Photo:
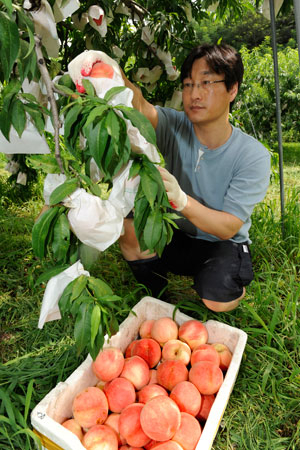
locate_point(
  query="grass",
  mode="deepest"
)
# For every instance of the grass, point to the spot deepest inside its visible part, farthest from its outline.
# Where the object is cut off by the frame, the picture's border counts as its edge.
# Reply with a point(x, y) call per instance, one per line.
point(264, 408)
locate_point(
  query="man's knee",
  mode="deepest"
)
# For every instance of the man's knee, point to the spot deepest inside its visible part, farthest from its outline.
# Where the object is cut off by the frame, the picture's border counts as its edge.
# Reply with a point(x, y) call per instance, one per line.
point(223, 306)
point(129, 244)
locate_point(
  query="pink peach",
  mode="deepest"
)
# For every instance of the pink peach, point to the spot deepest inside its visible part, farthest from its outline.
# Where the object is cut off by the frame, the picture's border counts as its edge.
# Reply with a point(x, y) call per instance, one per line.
point(129, 349)
point(113, 422)
point(193, 332)
point(150, 391)
point(189, 432)
point(73, 426)
point(145, 328)
point(205, 352)
point(101, 70)
point(148, 349)
point(130, 425)
point(153, 376)
point(100, 437)
point(206, 404)
point(224, 353)
point(120, 393)
point(206, 376)
point(137, 371)
point(164, 329)
point(160, 418)
point(169, 373)
point(187, 397)
point(175, 349)
point(90, 407)
point(108, 364)
point(167, 445)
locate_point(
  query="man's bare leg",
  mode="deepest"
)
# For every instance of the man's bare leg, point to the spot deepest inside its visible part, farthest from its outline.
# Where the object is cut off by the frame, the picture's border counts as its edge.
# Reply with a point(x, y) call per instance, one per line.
point(223, 306)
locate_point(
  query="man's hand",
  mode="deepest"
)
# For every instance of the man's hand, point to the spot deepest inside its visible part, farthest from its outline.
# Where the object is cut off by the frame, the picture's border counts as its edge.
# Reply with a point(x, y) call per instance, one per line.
point(177, 198)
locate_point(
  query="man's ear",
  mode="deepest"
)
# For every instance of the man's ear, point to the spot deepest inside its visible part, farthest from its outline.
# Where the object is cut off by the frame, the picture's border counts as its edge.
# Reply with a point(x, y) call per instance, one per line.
point(233, 91)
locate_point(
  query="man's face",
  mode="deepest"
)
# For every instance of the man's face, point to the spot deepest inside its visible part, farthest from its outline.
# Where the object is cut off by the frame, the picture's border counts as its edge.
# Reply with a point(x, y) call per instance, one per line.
point(206, 102)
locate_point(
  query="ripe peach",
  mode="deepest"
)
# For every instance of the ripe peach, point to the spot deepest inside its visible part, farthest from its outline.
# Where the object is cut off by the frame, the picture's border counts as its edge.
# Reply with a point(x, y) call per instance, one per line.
point(206, 404)
point(137, 371)
point(108, 364)
point(153, 376)
point(167, 445)
point(129, 348)
point(148, 349)
point(224, 353)
point(151, 391)
point(206, 376)
point(205, 352)
point(169, 373)
point(120, 393)
point(160, 418)
point(145, 328)
point(90, 407)
point(175, 349)
point(187, 397)
point(73, 426)
point(101, 70)
point(100, 437)
point(113, 422)
point(193, 332)
point(129, 447)
point(164, 329)
point(189, 432)
point(130, 425)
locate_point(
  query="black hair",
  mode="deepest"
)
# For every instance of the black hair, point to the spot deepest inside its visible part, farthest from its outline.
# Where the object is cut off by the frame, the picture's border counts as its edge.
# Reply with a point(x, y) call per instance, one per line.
point(221, 59)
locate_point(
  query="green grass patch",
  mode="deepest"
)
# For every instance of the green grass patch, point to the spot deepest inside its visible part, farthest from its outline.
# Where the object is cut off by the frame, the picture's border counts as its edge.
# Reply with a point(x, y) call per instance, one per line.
point(264, 407)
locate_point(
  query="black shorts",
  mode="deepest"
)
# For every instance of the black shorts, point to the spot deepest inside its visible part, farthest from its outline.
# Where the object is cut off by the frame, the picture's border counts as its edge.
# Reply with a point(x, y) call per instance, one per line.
point(220, 269)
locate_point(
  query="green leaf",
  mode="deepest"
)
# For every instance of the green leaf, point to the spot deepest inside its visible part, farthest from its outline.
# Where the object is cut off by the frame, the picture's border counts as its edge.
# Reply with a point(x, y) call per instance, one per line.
point(64, 302)
point(5, 124)
point(47, 163)
point(52, 272)
point(41, 229)
point(112, 125)
point(97, 138)
point(98, 287)
point(96, 112)
point(153, 229)
point(141, 122)
point(8, 405)
point(9, 44)
point(64, 89)
point(149, 186)
point(9, 6)
point(89, 88)
point(61, 238)
point(95, 323)
point(71, 118)
point(28, 398)
point(18, 116)
point(63, 190)
point(82, 327)
point(78, 286)
point(135, 168)
point(113, 91)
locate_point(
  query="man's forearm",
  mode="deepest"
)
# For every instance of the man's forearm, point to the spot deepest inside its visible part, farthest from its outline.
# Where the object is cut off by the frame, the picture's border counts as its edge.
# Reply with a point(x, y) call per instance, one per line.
point(218, 223)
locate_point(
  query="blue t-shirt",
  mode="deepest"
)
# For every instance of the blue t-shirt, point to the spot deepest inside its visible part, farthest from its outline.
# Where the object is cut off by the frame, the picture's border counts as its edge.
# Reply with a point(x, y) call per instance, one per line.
point(233, 177)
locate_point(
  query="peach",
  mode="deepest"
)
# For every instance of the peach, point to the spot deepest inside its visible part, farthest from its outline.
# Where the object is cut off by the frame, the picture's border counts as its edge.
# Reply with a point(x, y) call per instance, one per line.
point(206, 404)
point(101, 70)
point(205, 352)
point(145, 328)
point(206, 376)
point(129, 447)
point(100, 437)
point(90, 407)
point(224, 353)
point(187, 397)
point(175, 349)
point(169, 373)
point(160, 418)
point(193, 332)
point(189, 432)
point(129, 348)
point(108, 364)
point(153, 376)
point(148, 349)
point(164, 329)
point(120, 393)
point(130, 425)
point(167, 445)
point(151, 391)
point(151, 444)
point(73, 426)
point(137, 371)
point(113, 422)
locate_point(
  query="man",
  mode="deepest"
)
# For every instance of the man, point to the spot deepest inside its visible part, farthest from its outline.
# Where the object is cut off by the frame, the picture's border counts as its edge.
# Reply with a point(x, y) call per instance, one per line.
point(215, 174)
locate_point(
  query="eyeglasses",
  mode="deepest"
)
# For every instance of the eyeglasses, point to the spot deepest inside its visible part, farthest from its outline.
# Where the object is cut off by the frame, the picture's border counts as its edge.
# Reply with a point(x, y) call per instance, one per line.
point(206, 85)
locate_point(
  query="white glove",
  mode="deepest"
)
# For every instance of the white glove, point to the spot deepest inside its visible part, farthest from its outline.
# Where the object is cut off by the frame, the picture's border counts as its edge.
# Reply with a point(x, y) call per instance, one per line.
point(176, 196)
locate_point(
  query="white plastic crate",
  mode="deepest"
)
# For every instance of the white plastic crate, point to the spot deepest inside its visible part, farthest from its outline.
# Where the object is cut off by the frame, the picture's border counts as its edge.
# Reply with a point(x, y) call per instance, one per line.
point(47, 416)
